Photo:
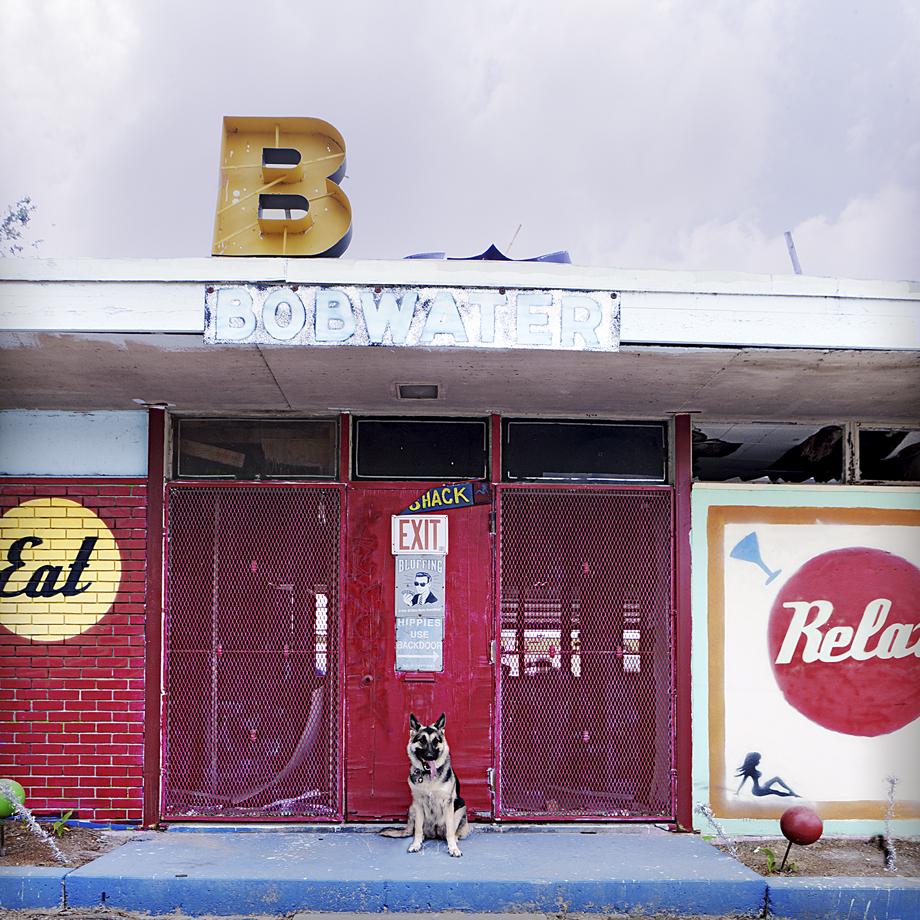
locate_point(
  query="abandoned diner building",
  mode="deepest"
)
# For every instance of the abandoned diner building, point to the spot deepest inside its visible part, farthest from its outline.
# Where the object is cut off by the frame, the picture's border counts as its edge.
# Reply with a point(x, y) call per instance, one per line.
point(654, 523)
point(650, 540)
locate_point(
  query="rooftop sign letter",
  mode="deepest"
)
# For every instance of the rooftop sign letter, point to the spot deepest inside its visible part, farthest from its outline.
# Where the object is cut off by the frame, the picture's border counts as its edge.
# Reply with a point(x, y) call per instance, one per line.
point(278, 193)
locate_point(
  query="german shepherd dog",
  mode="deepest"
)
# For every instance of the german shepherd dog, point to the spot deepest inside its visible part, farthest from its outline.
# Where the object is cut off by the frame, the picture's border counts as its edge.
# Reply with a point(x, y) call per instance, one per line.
point(437, 809)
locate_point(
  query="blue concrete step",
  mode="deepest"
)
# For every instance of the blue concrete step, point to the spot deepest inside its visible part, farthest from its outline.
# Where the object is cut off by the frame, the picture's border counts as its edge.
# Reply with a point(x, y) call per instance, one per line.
point(31, 886)
point(278, 870)
point(226, 873)
point(869, 898)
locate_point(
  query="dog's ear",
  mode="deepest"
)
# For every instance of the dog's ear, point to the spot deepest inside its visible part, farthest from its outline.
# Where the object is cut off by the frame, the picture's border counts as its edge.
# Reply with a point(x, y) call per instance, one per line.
point(413, 722)
point(439, 725)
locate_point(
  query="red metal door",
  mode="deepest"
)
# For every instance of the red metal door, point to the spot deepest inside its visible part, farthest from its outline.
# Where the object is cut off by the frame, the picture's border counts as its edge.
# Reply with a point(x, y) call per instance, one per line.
point(378, 699)
point(585, 677)
point(252, 707)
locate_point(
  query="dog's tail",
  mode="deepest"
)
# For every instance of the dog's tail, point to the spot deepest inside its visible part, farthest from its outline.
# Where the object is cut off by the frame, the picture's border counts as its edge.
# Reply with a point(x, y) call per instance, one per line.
point(397, 831)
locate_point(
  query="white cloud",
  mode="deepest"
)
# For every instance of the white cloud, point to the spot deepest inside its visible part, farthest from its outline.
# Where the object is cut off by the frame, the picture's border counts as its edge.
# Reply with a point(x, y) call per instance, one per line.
point(874, 236)
point(681, 134)
point(62, 70)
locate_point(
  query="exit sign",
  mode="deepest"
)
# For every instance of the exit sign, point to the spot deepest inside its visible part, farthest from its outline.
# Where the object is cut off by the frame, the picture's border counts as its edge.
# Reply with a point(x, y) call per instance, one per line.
point(421, 533)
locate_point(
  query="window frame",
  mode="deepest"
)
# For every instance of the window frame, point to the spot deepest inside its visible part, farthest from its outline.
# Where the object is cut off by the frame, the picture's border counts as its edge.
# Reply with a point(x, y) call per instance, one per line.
point(356, 421)
point(176, 448)
point(854, 468)
point(661, 425)
point(850, 473)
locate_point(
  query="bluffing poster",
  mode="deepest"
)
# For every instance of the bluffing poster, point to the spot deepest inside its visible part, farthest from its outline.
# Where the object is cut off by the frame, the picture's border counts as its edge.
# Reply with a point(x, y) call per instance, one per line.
point(419, 604)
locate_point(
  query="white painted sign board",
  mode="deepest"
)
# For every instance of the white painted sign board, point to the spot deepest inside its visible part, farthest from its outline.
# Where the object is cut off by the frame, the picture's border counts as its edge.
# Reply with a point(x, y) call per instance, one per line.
point(430, 317)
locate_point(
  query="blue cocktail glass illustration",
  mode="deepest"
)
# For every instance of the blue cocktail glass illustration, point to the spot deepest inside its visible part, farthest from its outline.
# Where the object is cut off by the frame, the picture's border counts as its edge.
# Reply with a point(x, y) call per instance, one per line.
point(748, 549)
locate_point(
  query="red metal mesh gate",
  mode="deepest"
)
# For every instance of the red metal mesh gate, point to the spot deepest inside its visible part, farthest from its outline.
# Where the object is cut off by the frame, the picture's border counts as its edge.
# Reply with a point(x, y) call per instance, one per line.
point(251, 719)
point(585, 674)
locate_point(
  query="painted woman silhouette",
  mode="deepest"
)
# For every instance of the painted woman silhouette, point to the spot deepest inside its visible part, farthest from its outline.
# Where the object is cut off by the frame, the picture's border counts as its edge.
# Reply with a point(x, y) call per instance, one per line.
point(749, 769)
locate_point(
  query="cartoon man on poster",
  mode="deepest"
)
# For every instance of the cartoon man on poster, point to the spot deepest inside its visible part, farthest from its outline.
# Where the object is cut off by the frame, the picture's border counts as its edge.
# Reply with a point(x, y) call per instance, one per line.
point(423, 593)
point(420, 586)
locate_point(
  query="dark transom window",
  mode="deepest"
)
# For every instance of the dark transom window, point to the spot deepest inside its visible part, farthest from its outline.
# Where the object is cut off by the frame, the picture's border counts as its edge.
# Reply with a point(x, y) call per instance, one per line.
point(581, 451)
point(256, 448)
point(420, 448)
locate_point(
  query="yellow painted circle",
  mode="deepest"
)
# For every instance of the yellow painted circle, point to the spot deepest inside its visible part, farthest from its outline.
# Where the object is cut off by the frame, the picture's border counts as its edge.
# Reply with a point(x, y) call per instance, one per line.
point(51, 595)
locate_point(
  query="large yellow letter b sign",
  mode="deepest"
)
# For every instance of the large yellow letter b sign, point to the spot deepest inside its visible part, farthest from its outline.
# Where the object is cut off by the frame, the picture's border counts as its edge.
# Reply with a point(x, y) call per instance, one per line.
point(279, 193)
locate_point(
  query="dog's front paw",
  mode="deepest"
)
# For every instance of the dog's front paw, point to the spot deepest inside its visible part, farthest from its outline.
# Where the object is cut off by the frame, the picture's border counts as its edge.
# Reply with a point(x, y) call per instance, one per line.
point(454, 851)
point(414, 848)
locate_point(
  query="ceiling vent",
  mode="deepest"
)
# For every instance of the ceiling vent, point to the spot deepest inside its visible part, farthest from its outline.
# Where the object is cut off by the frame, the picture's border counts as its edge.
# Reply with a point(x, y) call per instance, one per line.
point(417, 390)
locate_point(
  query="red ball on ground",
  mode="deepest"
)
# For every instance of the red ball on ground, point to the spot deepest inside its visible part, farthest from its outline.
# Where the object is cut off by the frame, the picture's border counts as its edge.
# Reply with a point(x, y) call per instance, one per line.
point(801, 825)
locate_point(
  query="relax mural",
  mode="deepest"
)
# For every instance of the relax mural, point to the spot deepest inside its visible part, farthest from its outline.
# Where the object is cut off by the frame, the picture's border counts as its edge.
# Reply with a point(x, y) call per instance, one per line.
point(814, 659)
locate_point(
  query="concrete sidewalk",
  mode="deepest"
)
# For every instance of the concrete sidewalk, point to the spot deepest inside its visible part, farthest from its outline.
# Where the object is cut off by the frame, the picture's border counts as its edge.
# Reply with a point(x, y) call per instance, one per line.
point(517, 869)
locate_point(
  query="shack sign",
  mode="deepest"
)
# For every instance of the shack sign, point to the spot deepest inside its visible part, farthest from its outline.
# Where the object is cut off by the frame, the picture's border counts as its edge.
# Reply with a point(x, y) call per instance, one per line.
point(456, 495)
point(431, 317)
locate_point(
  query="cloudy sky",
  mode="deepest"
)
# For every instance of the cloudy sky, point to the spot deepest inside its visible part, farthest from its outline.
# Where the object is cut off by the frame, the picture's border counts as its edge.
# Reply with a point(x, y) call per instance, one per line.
point(633, 133)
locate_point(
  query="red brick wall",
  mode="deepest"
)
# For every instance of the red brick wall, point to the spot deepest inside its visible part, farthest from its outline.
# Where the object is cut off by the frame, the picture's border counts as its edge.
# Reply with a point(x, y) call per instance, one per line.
point(72, 663)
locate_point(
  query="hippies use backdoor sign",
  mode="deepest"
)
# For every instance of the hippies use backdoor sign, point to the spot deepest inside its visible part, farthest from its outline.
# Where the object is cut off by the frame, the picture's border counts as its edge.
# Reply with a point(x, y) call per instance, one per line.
point(432, 317)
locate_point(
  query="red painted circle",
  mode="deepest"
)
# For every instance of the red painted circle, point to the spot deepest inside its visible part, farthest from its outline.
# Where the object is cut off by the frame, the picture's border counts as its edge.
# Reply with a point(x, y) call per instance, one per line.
point(836, 689)
point(801, 825)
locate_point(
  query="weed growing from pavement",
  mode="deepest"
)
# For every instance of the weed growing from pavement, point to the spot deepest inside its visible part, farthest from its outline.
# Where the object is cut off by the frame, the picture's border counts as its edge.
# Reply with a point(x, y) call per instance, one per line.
point(59, 827)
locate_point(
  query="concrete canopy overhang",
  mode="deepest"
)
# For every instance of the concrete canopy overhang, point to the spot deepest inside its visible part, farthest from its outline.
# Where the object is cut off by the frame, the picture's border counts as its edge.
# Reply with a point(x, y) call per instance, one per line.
point(112, 335)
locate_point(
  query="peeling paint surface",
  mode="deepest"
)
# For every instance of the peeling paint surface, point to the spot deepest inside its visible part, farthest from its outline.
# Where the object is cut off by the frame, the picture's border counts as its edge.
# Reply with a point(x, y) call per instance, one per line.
point(109, 371)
